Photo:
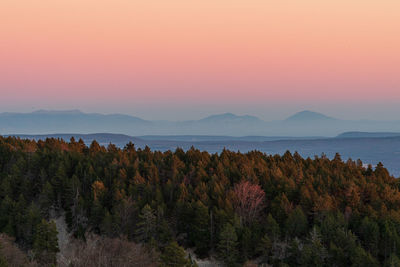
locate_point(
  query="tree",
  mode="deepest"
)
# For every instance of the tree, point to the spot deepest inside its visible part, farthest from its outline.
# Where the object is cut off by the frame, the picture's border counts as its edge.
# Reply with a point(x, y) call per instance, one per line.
point(45, 245)
point(146, 227)
point(314, 253)
point(369, 231)
point(174, 256)
point(125, 212)
point(104, 251)
point(11, 255)
point(272, 228)
point(392, 261)
point(296, 224)
point(46, 199)
point(295, 252)
point(264, 248)
point(227, 246)
point(200, 233)
point(248, 201)
point(246, 243)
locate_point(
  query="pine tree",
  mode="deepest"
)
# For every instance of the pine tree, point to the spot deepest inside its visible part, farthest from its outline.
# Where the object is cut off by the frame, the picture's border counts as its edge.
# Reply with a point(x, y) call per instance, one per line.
point(45, 245)
point(174, 256)
point(314, 253)
point(227, 246)
point(296, 224)
point(201, 235)
point(264, 248)
point(146, 228)
point(272, 228)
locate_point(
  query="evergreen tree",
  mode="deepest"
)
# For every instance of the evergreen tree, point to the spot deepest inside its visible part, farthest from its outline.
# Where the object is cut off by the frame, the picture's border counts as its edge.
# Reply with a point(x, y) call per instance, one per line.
point(227, 246)
point(174, 256)
point(201, 234)
point(45, 245)
point(264, 248)
point(272, 228)
point(146, 228)
point(314, 253)
point(296, 224)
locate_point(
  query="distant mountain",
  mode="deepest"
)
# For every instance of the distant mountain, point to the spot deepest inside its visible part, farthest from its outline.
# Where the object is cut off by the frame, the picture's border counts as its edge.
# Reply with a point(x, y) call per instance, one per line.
point(229, 117)
point(367, 135)
point(68, 121)
point(57, 112)
point(302, 124)
point(307, 115)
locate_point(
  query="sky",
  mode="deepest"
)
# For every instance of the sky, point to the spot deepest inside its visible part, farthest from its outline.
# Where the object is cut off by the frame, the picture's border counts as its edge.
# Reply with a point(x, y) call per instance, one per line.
point(181, 59)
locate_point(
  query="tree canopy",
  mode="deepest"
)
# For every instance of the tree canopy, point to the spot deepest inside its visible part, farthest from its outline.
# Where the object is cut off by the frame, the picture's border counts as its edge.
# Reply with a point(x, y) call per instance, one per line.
point(275, 209)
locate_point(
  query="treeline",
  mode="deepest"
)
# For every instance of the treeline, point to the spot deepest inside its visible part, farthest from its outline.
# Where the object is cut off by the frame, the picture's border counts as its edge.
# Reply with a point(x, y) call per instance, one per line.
point(277, 210)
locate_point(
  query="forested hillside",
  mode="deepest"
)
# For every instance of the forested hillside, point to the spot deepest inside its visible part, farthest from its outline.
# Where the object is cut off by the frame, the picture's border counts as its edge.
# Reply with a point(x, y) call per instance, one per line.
point(234, 207)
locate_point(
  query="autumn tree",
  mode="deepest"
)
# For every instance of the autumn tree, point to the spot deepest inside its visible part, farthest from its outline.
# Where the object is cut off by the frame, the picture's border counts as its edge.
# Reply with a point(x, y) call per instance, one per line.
point(249, 200)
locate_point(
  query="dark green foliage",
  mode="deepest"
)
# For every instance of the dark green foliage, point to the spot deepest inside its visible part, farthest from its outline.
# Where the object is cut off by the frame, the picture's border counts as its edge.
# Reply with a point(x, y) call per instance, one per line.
point(296, 224)
point(3, 262)
point(174, 255)
point(271, 228)
point(201, 229)
point(45, 245)
point(311, 212)
point(227, 245)
point(264, 248)
point(146, 228)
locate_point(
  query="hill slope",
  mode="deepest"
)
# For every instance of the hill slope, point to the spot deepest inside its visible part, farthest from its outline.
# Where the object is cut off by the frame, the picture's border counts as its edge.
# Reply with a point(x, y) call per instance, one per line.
point(318, 212)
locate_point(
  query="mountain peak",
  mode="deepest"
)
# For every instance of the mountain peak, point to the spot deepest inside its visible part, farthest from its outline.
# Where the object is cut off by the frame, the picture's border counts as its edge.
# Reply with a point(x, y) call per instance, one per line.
point(307, 115)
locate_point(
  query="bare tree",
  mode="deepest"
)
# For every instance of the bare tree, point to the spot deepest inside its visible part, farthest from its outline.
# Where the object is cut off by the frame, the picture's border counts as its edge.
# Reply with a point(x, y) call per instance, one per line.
point(100, 251)
point(13, 256)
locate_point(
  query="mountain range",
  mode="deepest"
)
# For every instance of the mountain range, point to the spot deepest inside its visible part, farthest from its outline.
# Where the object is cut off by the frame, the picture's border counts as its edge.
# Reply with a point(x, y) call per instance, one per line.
point(302, 124)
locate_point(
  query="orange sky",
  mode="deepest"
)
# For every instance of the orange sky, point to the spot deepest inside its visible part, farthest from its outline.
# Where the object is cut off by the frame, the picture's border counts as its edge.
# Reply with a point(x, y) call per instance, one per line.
point(233, 52)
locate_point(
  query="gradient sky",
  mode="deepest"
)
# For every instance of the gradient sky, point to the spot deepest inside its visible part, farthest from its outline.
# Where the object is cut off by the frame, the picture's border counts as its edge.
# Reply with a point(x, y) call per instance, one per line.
point(180, 59)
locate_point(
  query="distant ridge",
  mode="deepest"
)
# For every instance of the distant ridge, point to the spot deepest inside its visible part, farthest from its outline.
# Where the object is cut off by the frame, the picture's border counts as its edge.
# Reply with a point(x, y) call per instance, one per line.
point(230, 117)
point(303, 124)
point(367, 135)
point(307, 115)
point(57, 112)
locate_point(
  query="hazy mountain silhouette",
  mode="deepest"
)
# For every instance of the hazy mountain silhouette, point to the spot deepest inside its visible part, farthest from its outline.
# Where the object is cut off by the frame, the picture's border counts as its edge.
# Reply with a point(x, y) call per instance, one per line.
point(68, 121)
point(307, 115)
point(230, 117)
point(367, 135)
point(302, 124)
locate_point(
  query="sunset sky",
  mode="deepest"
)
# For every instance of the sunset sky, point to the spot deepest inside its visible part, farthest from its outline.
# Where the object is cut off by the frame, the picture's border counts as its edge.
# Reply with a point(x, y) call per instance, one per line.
point(181, 59)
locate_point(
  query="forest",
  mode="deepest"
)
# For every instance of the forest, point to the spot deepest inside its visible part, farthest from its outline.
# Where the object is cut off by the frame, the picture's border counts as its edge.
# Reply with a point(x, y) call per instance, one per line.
point(137, 207)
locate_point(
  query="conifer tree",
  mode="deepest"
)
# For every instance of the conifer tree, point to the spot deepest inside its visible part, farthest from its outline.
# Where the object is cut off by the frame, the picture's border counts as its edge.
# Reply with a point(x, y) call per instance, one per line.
point(227, 246)
point(45, 245)
point(201, 235)
point(174, 256)
point(146, 227)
